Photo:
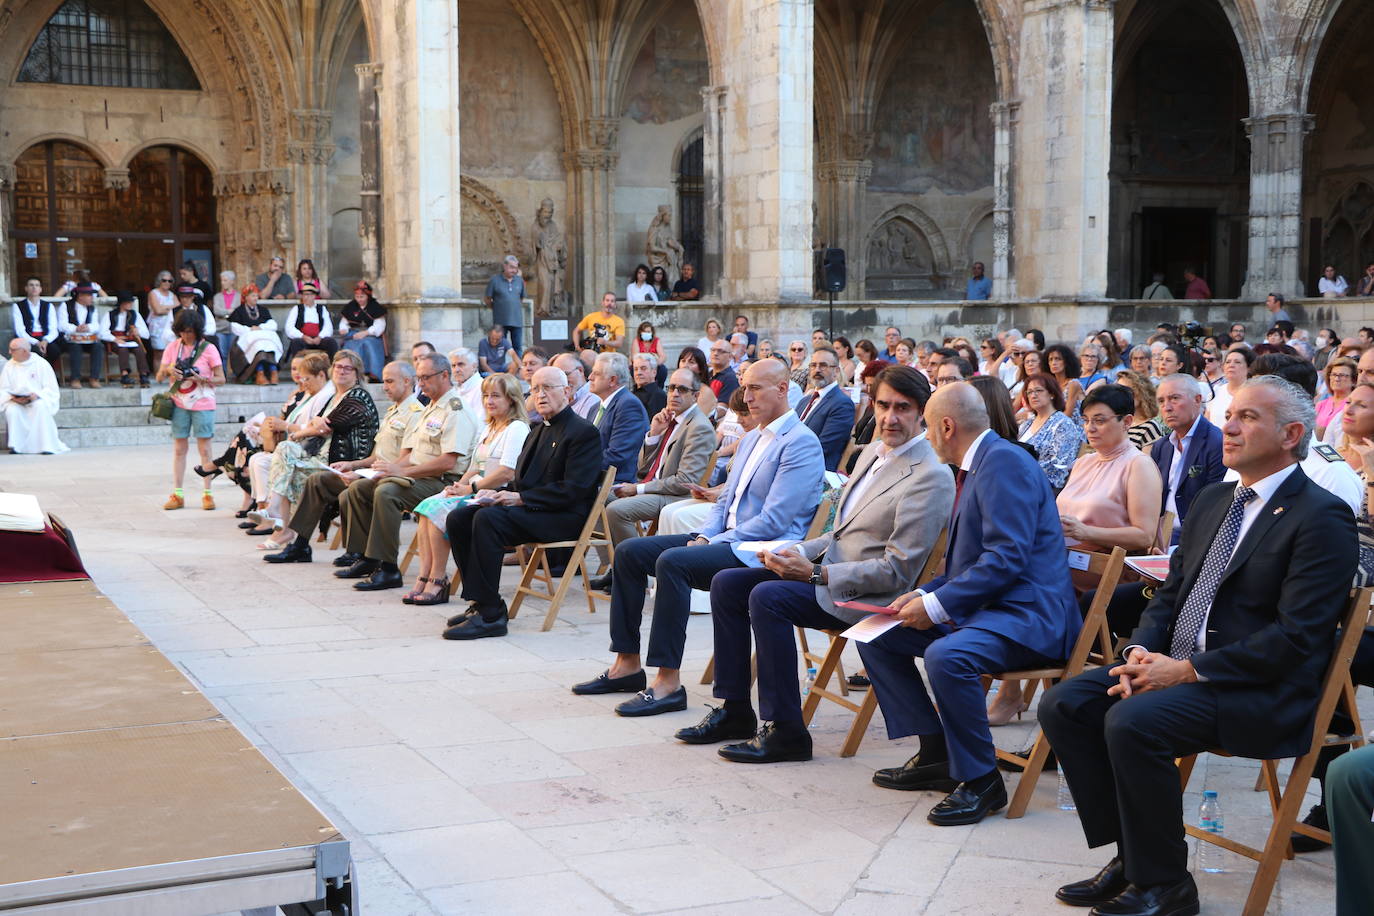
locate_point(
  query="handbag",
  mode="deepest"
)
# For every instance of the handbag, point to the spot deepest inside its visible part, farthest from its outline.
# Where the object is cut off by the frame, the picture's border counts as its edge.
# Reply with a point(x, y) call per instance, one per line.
point(163, 407)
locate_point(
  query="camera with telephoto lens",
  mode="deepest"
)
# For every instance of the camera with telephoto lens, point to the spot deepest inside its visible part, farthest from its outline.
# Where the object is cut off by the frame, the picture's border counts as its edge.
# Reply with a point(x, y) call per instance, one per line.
point(1192, 333)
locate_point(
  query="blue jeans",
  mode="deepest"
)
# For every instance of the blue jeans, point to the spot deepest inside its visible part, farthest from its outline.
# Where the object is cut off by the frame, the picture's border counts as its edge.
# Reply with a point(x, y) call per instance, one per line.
point(516, 333)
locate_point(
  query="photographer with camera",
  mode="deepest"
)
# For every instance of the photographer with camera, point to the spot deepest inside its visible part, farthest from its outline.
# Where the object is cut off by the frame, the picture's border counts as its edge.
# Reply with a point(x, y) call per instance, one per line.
point(601, 330)
point(194, 368)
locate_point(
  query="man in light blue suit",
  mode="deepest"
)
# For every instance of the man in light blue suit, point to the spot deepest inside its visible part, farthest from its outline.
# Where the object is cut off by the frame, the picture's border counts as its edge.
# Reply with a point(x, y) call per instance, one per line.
point(619, 417)
point(826, 408)
point(1004, 602)
point(771, 494)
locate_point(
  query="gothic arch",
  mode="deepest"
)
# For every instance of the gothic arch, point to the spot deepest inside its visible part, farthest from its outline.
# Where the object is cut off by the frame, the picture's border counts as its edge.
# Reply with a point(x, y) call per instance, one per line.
point(920, 220)
point(492, 235)
point(45, 136)
point(1134, 25)
point(970, 226)
point(693, 135)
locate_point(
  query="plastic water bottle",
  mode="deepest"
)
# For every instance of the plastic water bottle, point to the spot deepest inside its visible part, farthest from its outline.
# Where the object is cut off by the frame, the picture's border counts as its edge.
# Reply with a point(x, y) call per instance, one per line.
point(1210, 857)
point(810, 680)
point(1065, 796)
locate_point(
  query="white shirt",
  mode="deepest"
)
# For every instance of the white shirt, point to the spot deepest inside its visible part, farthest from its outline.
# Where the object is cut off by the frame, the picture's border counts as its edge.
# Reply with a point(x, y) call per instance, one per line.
point(1336, 477)
point(766, 436)
point(471, 394)
point(859, 487)
point(682, 420)
point(1176, 469)
point(640, 292)
point(934, 610)
point(36, 309)
point(1220, 403)
point(1335, 287)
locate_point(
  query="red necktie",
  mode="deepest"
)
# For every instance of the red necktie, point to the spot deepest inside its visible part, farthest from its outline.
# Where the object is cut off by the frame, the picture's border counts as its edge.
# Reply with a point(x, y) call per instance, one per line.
point(815, 396)
point(662, 450)
point(959, 476)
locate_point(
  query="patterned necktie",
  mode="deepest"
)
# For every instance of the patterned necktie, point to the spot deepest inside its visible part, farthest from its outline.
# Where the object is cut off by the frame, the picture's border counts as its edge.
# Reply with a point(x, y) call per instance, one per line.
point(1204, 590)
point(662, 450)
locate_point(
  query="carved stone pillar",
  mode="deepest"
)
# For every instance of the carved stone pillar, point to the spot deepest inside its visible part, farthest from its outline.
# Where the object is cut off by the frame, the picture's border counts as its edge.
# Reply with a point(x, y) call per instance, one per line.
point(590, 169)
point(1003, 266)
point(842, 184)
point(251, 211)
point(713, 144)
point(369, 149)
point(309, 151)
point(117, 179)
point(6, 254)
point(1276, 161)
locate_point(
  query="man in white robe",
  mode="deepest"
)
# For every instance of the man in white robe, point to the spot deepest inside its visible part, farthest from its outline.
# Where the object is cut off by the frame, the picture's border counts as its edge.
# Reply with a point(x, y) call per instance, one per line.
point(29, 398)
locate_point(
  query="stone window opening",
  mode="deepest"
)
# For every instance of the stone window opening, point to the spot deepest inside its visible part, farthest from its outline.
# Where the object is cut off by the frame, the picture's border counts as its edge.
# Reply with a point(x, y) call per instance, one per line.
point(116, 43)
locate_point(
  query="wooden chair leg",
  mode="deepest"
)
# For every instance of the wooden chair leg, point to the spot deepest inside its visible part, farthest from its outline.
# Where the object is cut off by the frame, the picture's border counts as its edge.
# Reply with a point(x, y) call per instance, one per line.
point(525, 576)
point(860, 726)
point(411, 553)
point(338, 536)
point(569, 574)
point(709, 675)
point(1278, 846)
point(1185, 769)
point(1030, 775)
point(823, 675)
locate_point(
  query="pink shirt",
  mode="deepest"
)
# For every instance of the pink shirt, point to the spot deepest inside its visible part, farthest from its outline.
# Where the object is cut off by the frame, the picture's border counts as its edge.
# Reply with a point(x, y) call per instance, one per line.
point(1328, 409)
point(1096, 491)
point(190, 394)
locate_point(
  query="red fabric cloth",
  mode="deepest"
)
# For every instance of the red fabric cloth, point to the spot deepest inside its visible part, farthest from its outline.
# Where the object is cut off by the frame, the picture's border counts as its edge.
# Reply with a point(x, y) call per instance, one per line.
point(34, 557)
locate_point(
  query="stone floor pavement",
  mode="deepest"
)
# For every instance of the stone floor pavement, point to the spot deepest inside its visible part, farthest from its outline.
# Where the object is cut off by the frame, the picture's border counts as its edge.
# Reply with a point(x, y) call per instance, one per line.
point(471, 781)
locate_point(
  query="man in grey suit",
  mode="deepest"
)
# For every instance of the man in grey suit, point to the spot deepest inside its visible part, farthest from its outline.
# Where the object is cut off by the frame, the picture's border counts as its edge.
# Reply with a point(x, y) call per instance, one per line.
point(889, 517)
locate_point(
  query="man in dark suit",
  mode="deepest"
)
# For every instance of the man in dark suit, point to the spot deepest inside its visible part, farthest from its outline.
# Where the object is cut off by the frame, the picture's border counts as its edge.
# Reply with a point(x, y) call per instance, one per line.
point(556, 482)
point(620, 418)
point(889, 517)
point(1229, 654)
point(645, 367)
point(826, 408)
point(1189, 458)
point(1004, 602)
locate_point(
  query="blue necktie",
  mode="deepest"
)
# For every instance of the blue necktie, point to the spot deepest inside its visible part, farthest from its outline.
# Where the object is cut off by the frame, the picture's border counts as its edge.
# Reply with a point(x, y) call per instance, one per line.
point(1204, 590)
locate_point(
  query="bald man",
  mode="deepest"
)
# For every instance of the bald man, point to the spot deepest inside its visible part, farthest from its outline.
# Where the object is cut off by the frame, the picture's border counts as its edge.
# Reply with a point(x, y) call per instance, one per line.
point(1003, 603)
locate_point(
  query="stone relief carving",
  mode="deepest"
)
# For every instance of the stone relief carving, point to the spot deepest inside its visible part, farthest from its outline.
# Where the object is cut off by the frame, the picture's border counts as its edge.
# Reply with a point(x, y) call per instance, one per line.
point(661, 248)
point(550, 261)
point(898, 248)
point(490, 232)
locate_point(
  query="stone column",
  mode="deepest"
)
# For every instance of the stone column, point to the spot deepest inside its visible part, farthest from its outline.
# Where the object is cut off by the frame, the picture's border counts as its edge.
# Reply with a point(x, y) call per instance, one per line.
point(1003, 266)
point(1276, 162)
point(713, 138)
point(369, 223)
point(1061, 153)
point(6, 254)
point(768, 158)
point(591, 201)
point(308, 152)
point(843, 183)
point(421, 226)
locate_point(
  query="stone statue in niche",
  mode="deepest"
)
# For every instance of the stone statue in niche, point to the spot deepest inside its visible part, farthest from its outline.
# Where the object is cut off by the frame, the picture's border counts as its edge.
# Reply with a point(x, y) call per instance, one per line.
point(661, 249)
point(550, 261)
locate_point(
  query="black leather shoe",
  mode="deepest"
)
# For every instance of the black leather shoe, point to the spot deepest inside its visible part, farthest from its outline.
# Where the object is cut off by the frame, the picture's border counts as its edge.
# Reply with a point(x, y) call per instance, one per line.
point(298, 551)
point(601, 583)
point(1179, 899)
point(245, 526)
point(719, 725)
point(382, 578)
point(1051, 762)
point(604, 683)
point(1315, 818)
point(646, 704)
point(1106, 885)
point(361, 569)
point(965, 806)
point(773, 743)
point(347, 559)
point(915, 776)
point(459, 618)
point(475, 626)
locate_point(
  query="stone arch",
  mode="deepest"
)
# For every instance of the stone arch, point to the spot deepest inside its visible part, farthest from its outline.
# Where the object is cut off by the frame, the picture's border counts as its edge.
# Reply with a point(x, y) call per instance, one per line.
point(196, 149)
point(490, 232)
point(1135, 21)
point(978, 221)
point(1348, 230)
point(906, 256)
point(30, 141)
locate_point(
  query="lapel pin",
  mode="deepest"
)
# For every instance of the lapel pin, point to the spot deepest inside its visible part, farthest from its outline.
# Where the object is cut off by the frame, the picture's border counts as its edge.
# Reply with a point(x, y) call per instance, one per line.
point(1279, 510)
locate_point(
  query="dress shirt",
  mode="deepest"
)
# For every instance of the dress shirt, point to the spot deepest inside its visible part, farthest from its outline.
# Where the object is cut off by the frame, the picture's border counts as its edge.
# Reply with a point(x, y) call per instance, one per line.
point(934, 610)
point(682, 420)
point(1264, 488)
point(605, 405)
point(766, 436)
point(815, 398)
point(1176, 469)
point(860, 487)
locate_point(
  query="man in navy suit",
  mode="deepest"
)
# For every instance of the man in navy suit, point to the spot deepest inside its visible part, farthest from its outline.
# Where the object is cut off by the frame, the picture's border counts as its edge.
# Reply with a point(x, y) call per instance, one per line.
point(620, 417)
point(1004, 602)
point(826, 408)
point(771, 494)
point(1190, 457)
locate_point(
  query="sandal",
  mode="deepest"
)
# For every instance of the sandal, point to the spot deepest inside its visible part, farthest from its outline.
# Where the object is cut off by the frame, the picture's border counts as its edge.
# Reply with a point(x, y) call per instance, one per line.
point(410, 596)
point(242, 513)
point(440, 598)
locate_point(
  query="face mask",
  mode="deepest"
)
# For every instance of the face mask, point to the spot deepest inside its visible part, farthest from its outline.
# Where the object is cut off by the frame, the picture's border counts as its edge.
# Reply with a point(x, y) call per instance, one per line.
point(1323, 342)
point(646, 336)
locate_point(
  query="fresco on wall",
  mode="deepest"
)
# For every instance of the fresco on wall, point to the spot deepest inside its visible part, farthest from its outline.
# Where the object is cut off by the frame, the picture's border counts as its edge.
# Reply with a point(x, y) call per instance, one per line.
point(665, 82)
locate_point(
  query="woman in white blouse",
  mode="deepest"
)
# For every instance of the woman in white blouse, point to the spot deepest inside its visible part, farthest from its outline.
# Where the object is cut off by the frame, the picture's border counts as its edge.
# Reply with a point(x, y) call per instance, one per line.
point(493, 466)
point(640, 289)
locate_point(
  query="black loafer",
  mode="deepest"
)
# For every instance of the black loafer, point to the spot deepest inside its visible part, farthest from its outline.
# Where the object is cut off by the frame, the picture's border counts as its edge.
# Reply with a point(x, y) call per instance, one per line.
point(915, 776)
point(1178, 899)
point(604, 683)
point(1051, 762)
point(346, 560)
point(382, 578)
point(1315, 818)
point(772, 744)
point(646, 704)
point(361, 569)
point(601, 583)
point(965, 806)
point(475, 626)
point(246, 526)
point(719, 725)
point(298, 551)
point(1106, 885)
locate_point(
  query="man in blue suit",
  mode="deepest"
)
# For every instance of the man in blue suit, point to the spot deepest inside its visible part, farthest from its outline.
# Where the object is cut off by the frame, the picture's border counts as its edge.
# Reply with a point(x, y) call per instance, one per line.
point(620, 417)
point(771, 494)
point(1190, 457)
point(1004, 602)
point(826, 408)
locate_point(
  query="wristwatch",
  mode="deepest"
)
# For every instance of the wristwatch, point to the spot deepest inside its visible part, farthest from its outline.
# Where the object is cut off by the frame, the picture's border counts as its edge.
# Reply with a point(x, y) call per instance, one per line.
point(815, 574)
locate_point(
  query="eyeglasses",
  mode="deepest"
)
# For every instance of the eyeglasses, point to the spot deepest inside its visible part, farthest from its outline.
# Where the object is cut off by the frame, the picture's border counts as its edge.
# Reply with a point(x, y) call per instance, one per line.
point(542, 389)
point(1210, 359)
point(347, 367)
point(823, 366)
point(680, 389)
point(948, 380)
point(797, 349)
point(1030, 391)
point(1094, 422)
point(425, 378)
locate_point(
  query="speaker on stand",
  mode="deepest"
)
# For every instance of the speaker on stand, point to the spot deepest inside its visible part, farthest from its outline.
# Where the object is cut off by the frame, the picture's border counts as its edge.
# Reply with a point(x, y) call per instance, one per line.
point(832, 271)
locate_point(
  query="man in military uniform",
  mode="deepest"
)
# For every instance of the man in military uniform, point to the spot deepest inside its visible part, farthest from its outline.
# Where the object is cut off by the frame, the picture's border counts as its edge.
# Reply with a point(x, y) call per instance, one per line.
point(434, 454)
point(323, 489)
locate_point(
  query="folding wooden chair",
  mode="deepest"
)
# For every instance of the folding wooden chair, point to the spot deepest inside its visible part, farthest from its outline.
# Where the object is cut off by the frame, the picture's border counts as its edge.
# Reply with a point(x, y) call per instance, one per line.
point(1285, 803)
point(537, 565)
point(830, 664)
point(1165, 533)
point(1093, 648)
point(411, 552)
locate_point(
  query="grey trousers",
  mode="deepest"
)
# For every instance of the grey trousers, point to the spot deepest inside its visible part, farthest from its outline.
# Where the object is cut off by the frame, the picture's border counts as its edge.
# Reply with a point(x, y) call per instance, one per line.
point(623, 512)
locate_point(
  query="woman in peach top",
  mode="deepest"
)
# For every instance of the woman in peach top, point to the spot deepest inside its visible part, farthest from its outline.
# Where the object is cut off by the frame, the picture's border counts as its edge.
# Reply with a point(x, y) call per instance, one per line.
point(1112, 499)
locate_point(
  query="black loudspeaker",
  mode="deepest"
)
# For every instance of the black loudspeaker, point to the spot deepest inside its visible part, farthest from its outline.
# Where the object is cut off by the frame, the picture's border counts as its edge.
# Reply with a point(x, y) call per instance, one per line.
point(832, 270)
